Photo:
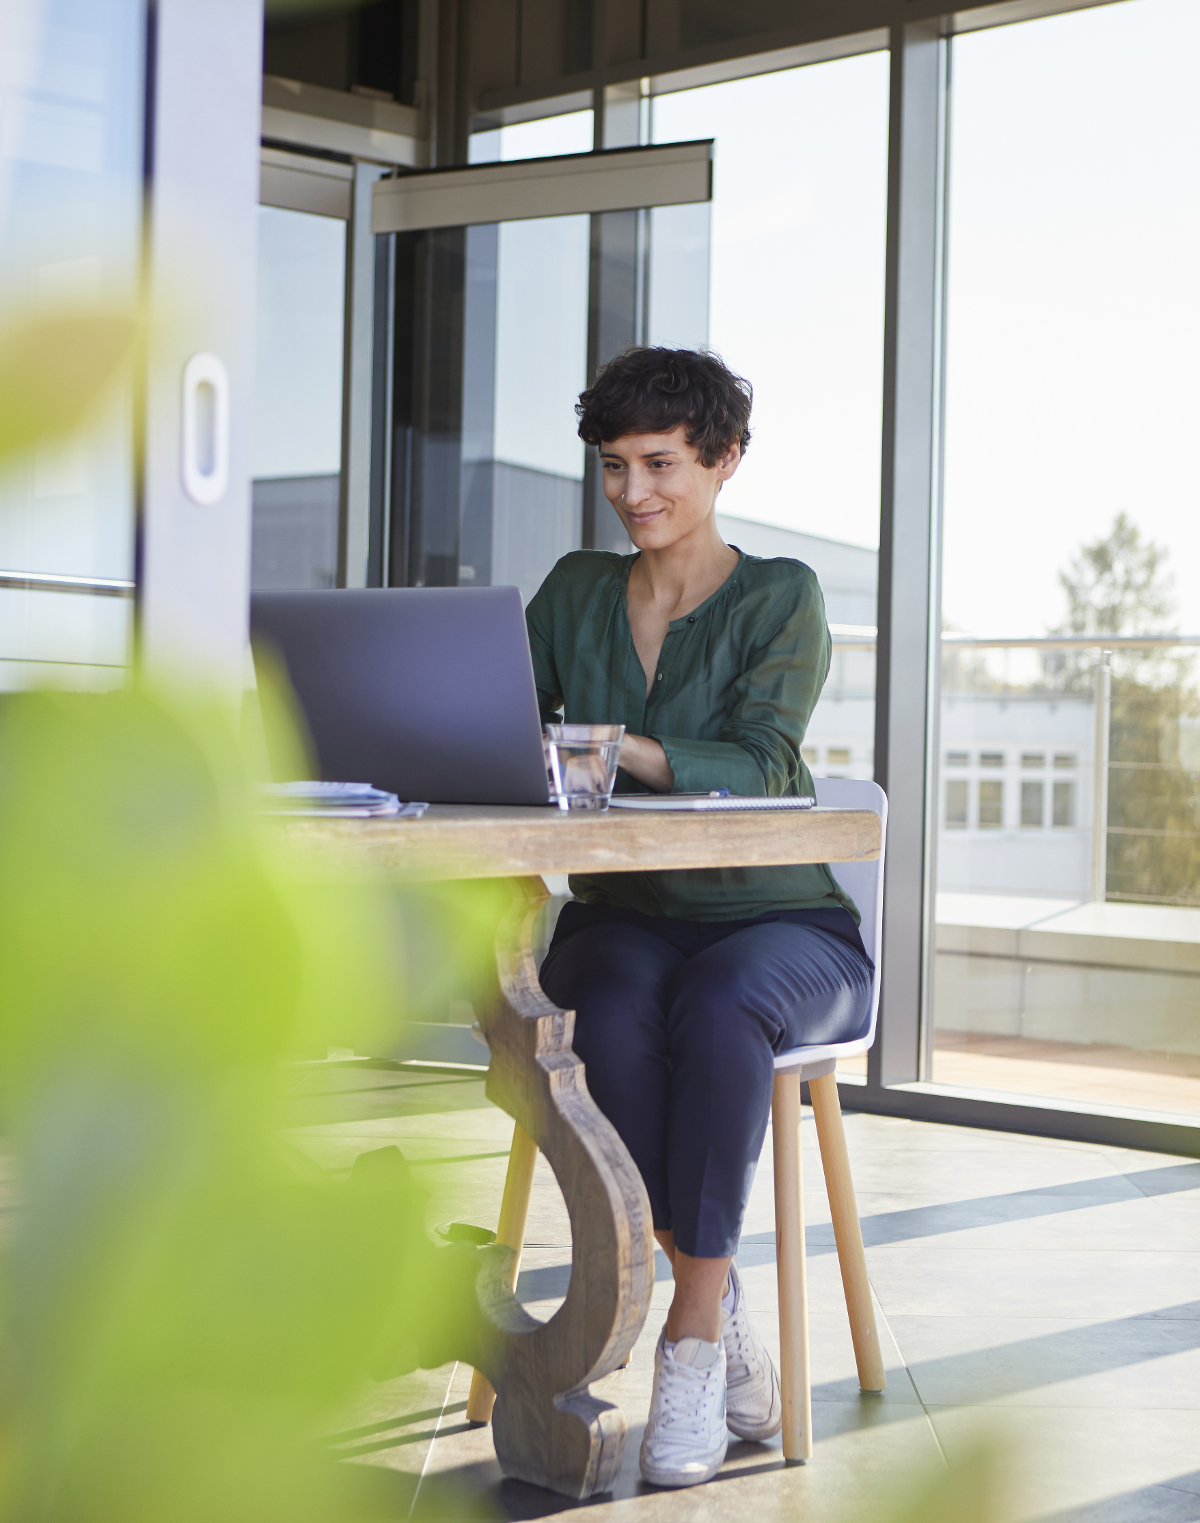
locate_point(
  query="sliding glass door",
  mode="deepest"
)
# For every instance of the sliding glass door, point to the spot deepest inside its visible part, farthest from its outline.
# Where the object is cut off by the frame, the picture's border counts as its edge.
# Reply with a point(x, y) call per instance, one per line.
point(298, 373)
point(71, 179)
point(525, 362)
point(108, 201)
point(494, 331)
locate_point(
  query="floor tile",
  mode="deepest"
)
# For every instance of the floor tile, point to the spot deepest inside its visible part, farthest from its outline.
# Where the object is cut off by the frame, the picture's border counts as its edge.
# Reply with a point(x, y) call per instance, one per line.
point(1065, 1461)
point(1098, 1285)
point(1148, 1504)
point(1147, 1362)
point(1032, 1219)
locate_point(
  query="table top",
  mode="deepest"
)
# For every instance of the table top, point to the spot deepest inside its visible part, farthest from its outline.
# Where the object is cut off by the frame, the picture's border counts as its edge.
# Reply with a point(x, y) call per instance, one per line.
point(508, 841)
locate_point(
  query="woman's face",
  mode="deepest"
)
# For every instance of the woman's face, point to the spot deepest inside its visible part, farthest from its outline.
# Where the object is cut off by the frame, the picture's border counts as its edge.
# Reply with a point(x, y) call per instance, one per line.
point(659, 487)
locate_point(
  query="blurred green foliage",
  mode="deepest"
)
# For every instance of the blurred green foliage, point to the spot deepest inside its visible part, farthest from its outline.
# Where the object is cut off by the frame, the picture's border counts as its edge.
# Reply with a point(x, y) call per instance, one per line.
point(57, 368)
point(185, 1301)
point(184, 1298)
point(970, 1491)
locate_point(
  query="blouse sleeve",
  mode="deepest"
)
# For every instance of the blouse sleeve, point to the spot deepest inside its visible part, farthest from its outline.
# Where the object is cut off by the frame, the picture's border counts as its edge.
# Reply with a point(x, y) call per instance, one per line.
point(768, 706)
point(539, 621)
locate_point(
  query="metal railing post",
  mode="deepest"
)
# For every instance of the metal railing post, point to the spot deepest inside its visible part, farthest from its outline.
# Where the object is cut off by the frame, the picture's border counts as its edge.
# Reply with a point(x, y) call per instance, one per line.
point(1100, 788)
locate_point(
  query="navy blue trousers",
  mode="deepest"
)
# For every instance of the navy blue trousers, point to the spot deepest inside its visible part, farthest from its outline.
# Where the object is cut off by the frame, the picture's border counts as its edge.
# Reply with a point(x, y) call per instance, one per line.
point(677, 1023)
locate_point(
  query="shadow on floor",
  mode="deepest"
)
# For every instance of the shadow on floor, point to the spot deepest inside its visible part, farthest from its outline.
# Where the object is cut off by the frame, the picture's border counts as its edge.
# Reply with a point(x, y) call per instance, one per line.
point(1174, 1501)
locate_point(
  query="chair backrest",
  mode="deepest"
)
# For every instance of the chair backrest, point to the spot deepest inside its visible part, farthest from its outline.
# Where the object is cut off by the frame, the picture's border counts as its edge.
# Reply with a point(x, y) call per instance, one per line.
point(863, 881)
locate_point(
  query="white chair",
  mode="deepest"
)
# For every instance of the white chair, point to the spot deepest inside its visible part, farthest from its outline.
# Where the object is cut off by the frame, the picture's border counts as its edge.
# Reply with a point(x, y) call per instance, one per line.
point(863, 881)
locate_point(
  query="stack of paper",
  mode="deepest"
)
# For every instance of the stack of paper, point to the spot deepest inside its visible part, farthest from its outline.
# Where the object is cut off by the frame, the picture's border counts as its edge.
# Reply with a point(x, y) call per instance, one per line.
point(342, 801)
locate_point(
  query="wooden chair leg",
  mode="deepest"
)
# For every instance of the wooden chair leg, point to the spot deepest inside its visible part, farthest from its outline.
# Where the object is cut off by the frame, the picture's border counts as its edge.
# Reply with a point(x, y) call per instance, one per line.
point(848, 1233)
point(514, 1209)
point(791, 1269)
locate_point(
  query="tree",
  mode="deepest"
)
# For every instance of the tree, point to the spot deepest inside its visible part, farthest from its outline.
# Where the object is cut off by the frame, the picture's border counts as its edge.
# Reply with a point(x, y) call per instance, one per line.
point(1121, 585)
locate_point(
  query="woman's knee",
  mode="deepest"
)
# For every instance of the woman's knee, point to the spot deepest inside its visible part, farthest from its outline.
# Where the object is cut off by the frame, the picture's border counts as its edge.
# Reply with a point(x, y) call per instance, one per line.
point(714, 1009)
point(781, 986)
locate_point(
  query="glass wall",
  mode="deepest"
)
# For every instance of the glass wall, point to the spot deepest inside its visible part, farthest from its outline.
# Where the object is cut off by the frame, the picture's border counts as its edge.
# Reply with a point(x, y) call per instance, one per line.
point(525, 363)
point(298, 399)
point(1068, 859)
point(71, 157)
point(795, 303)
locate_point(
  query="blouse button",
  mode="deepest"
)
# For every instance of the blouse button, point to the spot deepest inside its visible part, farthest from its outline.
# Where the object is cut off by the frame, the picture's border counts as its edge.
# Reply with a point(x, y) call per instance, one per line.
point(691, 618)
point(660, 676)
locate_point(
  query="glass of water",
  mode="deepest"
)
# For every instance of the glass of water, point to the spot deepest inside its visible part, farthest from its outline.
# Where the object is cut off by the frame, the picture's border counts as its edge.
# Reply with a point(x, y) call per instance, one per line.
point(583, 763)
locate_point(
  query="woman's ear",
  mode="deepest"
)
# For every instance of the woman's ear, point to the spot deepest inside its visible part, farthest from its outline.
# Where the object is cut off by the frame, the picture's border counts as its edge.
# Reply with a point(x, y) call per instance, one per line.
point(730, 460)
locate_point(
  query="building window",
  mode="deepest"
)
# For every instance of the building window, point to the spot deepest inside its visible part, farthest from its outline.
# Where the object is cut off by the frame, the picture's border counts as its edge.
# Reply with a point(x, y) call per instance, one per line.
point(956, 803)
point(809, 755)
point(991, 804)
point(1033, 804)
point(958, 758)
point(1064, 804)
point(1065, 759)
point(1033, 758)
point(991, 758)
point(837, 756)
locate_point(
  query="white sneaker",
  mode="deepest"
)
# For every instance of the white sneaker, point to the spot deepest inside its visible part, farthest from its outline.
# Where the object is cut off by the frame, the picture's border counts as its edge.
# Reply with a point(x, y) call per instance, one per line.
point(685, 1439)
point(755, 1402)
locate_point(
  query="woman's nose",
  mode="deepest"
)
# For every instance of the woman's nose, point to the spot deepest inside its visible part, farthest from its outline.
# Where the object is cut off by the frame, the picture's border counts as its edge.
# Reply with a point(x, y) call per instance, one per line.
point(637, 488)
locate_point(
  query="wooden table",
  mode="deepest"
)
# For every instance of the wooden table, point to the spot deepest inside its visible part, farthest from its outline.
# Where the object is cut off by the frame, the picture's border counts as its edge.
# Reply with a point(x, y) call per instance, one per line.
point(480, 841)
point(547, 1427)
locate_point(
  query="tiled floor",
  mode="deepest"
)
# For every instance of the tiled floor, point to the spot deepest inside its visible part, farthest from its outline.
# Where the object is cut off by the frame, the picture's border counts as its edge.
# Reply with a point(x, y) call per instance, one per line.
point(1038, 1297)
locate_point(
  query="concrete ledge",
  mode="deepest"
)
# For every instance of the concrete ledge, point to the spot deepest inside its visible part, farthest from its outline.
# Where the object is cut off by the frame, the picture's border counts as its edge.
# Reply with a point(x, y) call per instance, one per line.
point(1157, 938)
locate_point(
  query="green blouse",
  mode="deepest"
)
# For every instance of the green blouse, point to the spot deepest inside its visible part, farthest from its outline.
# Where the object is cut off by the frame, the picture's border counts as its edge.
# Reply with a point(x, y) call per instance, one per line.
point(737, 680)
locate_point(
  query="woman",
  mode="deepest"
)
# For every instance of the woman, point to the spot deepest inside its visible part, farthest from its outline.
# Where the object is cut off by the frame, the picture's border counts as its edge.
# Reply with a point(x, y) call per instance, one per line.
point(686, 984)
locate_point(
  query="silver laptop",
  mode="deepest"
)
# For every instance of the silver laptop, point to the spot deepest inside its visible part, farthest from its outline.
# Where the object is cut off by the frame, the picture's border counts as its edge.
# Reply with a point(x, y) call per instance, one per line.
point(424, 691)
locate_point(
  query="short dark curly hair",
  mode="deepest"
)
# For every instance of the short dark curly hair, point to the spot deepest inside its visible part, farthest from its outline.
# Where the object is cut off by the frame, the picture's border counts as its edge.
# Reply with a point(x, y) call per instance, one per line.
point(655, 390)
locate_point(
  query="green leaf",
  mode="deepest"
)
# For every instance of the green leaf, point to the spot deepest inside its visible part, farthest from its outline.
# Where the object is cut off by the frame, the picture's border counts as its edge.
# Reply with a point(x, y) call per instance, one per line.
point(56, 370)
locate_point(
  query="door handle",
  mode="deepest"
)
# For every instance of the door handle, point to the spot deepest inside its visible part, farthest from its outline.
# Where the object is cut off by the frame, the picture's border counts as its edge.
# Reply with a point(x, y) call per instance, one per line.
point(205, 435)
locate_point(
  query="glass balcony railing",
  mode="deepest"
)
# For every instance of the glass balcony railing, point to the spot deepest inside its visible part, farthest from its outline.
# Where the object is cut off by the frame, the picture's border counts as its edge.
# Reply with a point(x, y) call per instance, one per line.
point(1067, 935)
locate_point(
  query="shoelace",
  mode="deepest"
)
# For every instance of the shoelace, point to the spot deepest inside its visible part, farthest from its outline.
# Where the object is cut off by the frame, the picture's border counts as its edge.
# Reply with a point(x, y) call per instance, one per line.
point(682, 1393)
point(741, 1360)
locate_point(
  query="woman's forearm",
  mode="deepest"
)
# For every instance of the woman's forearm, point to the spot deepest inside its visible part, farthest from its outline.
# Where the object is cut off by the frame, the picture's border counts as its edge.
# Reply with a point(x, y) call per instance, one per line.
point(646, 760)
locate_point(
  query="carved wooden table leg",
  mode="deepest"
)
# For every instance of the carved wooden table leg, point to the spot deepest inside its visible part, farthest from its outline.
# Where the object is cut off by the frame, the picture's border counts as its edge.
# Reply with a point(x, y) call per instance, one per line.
point(514, 1210)
point(547, 1427)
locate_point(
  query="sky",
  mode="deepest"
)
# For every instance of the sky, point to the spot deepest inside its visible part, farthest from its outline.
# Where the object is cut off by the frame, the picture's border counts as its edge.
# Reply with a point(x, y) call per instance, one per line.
point(796, 294)
point(1073, 321)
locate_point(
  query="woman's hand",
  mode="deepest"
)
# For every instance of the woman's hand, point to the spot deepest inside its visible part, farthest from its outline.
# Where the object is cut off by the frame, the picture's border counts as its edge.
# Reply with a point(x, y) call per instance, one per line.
point(646, 760)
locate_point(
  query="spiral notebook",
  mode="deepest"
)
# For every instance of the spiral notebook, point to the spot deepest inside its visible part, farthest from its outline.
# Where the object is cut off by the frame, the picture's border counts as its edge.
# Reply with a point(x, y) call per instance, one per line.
point(722, 802)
